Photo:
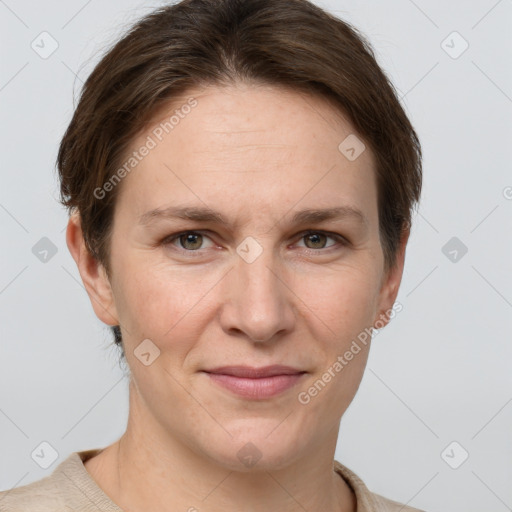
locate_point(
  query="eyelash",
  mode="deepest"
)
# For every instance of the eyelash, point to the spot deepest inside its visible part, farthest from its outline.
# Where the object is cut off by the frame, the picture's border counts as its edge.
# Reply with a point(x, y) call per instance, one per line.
point(341, 240)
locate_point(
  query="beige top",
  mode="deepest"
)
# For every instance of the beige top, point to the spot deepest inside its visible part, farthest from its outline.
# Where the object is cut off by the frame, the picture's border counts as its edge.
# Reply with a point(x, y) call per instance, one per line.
point(71, 488)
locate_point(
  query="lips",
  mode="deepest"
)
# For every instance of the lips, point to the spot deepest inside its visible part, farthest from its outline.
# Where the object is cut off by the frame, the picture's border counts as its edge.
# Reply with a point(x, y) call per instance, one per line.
point(256, 383)
point(255, 373)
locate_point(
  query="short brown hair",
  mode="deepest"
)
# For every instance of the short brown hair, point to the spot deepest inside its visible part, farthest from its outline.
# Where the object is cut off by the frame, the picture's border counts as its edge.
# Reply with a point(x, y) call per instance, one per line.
point(289, 43)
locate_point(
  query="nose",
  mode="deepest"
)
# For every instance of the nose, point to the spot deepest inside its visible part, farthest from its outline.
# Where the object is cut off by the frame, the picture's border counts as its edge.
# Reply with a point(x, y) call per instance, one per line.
point(257, 302)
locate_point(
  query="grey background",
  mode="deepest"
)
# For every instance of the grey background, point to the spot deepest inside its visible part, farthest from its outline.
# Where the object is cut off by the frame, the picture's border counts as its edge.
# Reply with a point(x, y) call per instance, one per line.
point(440, 372)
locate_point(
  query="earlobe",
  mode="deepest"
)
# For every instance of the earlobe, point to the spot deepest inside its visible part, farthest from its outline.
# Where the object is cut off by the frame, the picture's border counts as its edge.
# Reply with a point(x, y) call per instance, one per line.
point(94, 277)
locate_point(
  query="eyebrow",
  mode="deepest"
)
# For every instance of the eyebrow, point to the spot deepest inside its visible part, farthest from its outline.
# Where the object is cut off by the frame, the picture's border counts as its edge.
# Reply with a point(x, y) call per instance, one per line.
point(200, 214)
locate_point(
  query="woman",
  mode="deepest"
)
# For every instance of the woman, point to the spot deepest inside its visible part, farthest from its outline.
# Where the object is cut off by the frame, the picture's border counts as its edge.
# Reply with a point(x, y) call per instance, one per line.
point(264, 134)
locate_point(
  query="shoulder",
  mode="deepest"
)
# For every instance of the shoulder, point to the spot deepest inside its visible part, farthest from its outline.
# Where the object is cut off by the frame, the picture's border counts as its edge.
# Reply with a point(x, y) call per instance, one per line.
point(368, 501)
point(387, 505)
point(68, 488)
point(40, 496)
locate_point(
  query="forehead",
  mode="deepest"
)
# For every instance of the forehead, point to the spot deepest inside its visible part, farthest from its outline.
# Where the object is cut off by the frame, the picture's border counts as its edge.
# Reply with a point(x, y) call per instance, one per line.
point(249, 146)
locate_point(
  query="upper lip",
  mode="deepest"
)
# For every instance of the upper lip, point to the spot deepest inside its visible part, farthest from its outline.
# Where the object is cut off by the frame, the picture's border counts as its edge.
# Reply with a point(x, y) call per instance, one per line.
point(254, 373)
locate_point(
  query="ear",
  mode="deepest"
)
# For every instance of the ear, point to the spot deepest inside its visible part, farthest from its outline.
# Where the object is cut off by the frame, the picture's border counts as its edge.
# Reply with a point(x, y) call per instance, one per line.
point(93, 274)
point(391, 284)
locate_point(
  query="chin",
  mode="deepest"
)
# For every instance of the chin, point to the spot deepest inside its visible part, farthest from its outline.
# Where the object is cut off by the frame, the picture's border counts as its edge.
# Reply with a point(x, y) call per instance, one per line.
point(249, 458)
point(266, 449)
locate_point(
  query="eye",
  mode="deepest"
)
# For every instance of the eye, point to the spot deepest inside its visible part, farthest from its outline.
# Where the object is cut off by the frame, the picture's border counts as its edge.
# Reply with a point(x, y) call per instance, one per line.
point(189, 240)
point(317, 239)
point(193, 241)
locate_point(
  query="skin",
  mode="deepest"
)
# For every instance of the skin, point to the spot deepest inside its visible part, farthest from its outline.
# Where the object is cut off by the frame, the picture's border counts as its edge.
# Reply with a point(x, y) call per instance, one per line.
point(257, 154)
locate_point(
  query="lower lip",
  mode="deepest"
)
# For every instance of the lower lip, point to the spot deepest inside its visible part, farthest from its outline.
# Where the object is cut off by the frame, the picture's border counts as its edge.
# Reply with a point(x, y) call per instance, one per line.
point(264, 387)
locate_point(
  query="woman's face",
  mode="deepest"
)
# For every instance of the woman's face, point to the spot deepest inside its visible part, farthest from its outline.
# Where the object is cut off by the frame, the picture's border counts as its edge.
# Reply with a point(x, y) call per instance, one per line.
point(255, 290)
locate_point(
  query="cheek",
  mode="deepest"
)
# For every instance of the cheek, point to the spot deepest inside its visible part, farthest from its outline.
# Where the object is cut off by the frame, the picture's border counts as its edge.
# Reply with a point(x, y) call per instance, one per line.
point(147, 305)
point(341, 303)
point(341, 313)
point(161, 303)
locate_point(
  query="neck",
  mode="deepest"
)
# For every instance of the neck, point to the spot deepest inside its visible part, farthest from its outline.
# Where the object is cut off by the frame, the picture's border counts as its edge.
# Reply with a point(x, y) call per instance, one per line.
point(147, 469)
